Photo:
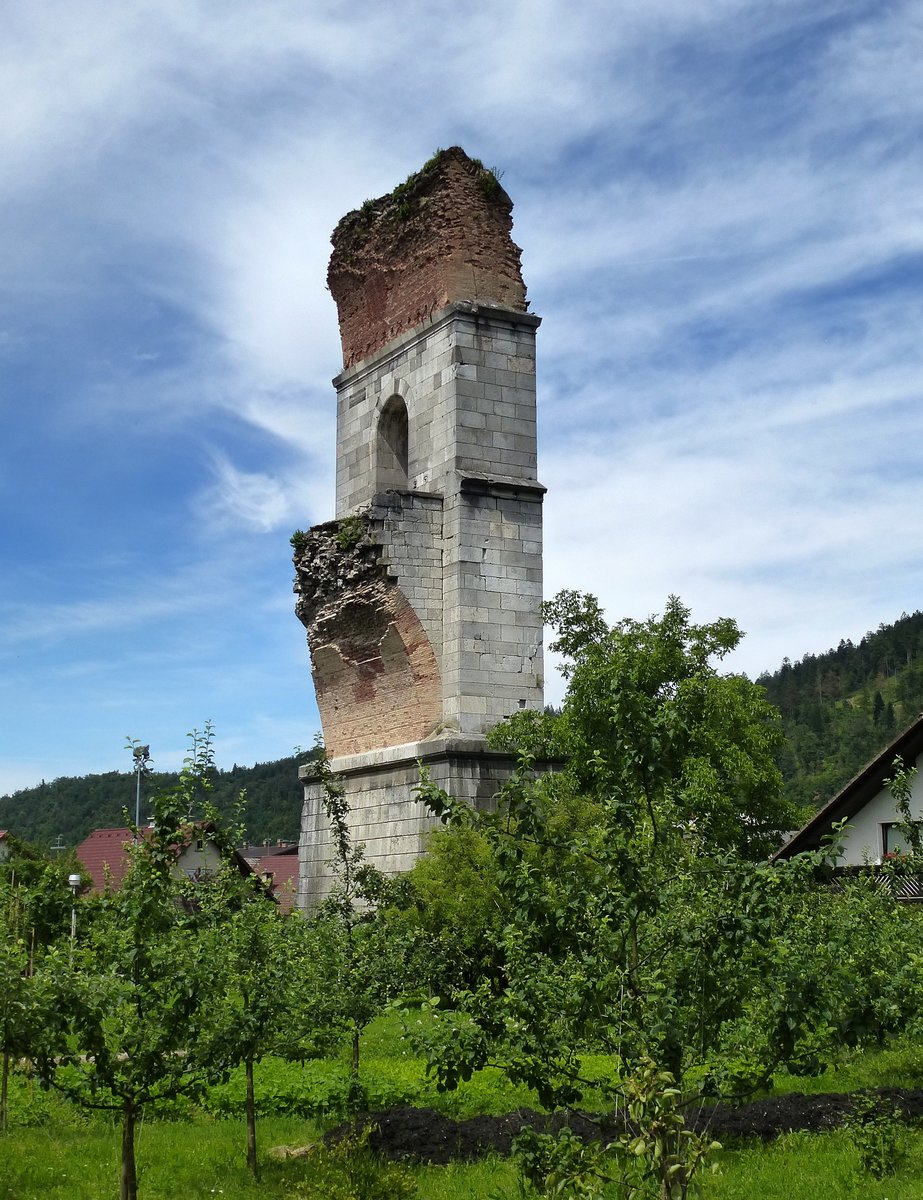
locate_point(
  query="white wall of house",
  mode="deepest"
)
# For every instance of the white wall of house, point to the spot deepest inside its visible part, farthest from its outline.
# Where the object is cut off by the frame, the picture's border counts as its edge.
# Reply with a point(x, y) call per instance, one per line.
point(864, 841)
point(200, 855)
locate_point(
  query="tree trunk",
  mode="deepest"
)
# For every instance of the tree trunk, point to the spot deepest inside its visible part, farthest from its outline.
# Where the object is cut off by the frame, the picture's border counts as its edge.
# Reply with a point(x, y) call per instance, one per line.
point(128, 1186)
point(4, 1085)
point(355, 1055)
point(251, 1122)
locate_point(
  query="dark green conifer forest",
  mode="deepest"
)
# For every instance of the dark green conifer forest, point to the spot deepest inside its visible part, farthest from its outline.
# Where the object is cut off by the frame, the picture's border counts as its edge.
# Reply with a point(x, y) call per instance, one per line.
point(65, 810)
point(839, 709)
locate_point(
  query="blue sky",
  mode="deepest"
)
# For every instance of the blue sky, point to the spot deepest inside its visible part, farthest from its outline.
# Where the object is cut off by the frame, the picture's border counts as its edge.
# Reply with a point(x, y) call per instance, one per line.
point(720, 205)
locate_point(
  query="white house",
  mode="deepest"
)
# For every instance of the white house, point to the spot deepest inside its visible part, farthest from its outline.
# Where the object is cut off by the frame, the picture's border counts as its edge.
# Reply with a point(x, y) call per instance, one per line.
point(868, 807)
point(104, 855)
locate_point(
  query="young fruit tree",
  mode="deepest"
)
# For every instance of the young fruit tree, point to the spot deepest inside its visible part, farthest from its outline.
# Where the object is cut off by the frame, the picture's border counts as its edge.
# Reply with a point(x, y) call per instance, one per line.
point(367, 955)
point(249, 1020)
point(639, 921)
point(130, 1009)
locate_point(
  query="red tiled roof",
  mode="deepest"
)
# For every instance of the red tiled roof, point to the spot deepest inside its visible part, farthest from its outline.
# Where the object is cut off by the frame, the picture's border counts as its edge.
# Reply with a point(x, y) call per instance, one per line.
point(102, 848)
point(107, 847)
point(283, 867)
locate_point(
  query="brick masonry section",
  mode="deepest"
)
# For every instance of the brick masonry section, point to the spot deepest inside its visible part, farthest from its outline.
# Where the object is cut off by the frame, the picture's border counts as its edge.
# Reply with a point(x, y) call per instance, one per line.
point(376, 676)
point(441, 236)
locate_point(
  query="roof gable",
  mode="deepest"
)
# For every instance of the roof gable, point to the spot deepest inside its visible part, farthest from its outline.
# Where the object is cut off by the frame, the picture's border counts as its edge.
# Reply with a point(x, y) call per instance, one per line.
point(108, 848)
point(860, 790)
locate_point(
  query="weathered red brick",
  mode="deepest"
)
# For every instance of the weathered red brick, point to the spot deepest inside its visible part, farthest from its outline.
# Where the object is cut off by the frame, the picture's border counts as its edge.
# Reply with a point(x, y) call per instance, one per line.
point(441, 237)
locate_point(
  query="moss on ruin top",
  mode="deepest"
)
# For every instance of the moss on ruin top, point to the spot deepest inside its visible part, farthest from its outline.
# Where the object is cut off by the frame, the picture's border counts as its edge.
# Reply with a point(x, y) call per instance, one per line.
point(440, 237)
point(393, 213)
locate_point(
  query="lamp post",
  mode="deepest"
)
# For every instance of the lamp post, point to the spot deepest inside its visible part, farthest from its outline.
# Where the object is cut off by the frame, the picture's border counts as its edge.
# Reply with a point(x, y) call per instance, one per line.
point(73, 882)
point(142, 757)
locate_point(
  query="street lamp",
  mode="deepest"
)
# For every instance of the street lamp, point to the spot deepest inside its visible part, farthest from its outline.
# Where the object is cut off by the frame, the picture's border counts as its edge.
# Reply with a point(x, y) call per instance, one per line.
point(73, 882)
point(142, 757)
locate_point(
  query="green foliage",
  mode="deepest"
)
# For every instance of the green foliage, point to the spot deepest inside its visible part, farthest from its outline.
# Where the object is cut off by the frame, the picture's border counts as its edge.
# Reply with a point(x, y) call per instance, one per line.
point(648, 716)
point(561, 1165)
point(879, 1135)
point(900, 786)
point(299, 538)
point(642, 925)
point(37, 893)
point(347, 1170)
point(841, 708)
point(31, 1106)
point(313, 1089)
point(126, 1016)
point(656, 1156)
point(350, 531)
point(450, 912)
point(239, 926)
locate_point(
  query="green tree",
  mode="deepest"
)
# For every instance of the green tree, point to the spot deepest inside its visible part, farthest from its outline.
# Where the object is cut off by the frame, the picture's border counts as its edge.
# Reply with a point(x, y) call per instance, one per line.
point(35, 906)
point(245, 934)
point(450, 912)
point(643, 923)
point(368, 952)
point(20, 1015)
point(130, 1010)
point(648, 716)
point(42, 892)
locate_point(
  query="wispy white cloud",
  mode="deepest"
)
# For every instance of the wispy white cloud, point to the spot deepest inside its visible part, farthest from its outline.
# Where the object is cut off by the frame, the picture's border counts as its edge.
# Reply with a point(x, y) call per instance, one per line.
point(720, 207)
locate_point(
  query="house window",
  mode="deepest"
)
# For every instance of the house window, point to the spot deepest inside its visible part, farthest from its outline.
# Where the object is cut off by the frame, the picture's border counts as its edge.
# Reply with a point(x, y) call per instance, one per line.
point(391, 447)
point(893, 840)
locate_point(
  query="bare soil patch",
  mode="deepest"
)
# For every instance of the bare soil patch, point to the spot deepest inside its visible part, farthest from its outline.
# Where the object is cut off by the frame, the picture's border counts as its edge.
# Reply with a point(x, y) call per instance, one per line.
point(427, 1136)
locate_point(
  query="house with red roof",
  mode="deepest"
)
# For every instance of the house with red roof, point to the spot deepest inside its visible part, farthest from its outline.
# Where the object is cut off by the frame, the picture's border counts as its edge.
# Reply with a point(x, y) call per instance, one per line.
point(104, 855)
point(279, 871)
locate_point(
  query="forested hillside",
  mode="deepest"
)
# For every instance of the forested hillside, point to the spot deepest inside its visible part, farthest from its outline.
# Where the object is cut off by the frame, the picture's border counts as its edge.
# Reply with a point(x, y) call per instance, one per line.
point(69, 808)
point(841, 708)
point(838, 710)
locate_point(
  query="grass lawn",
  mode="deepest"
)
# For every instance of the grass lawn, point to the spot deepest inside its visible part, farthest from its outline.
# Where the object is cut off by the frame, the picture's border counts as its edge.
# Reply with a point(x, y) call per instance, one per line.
point(175, 1159)
point(52, 1151)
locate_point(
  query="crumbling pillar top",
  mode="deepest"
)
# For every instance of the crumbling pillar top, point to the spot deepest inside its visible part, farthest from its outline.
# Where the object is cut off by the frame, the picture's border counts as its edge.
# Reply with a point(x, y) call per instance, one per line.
point(441, 237)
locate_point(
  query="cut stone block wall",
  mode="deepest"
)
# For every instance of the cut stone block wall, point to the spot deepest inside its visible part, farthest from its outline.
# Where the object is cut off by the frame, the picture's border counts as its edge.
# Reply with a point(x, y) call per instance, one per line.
point(466, 376)
point(385, 814)
point(492, 588)
point(425, 627)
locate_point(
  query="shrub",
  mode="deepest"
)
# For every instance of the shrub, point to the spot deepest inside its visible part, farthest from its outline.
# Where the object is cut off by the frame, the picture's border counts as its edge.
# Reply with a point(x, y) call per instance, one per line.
point(879, 1136)
point(347, 1170)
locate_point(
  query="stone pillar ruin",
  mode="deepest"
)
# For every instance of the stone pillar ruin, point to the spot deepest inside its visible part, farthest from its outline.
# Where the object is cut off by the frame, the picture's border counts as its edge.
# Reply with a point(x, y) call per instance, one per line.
point(422, 599)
